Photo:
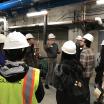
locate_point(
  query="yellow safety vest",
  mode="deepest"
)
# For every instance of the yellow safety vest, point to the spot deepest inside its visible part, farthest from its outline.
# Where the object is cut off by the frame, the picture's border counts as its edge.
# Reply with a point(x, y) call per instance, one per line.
point(22, 92)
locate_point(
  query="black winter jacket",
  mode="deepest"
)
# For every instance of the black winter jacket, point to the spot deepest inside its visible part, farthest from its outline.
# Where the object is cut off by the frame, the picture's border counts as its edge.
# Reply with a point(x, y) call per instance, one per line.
point(63, 81)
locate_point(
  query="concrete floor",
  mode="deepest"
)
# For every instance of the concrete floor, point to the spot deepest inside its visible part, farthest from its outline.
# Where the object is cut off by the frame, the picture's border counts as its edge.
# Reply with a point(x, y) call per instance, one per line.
point(49, 96)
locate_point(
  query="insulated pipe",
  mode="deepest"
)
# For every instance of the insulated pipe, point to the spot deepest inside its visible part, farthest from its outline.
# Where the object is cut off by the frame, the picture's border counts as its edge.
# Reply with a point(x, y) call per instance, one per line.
point(13, 3)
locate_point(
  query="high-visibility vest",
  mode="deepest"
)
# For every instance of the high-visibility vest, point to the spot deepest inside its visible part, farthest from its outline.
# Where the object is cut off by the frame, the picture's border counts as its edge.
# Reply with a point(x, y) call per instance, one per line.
point(22, 92)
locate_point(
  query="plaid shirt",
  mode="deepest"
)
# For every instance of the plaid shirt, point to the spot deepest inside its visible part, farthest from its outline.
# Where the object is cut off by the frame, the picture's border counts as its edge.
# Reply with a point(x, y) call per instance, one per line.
point(87, 60)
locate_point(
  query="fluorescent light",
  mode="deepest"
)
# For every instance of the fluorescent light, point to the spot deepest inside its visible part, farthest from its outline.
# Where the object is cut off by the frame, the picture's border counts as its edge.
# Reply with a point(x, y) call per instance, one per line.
point(44, 12)
point(99, 2)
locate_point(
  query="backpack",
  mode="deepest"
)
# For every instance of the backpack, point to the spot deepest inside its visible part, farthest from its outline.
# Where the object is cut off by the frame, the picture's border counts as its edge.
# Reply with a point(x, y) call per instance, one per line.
point(69, 79)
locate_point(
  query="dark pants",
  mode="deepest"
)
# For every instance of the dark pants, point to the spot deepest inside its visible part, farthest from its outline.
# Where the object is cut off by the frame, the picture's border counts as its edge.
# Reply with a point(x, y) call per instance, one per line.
point(50, 73)
point(87, 80)
point(98, 78)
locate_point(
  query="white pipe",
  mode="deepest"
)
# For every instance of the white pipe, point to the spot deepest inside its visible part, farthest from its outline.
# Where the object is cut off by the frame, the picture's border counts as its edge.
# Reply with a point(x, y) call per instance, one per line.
point(42, 24)
point(32, 14)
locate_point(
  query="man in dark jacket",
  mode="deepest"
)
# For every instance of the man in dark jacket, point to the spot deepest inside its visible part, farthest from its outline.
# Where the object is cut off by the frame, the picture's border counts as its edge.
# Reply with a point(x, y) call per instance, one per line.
point(52, 50)
point(29, 56)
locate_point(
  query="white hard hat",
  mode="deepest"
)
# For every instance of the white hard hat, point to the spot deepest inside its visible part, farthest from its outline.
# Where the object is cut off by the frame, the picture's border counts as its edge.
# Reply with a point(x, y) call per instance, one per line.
point(79, 37)
point(15, 40)
point(2, 38)
point(89, 37)
point(99, 20)
point(29, 36)
point(69, 47)
point(51, 36)
point(102, 43)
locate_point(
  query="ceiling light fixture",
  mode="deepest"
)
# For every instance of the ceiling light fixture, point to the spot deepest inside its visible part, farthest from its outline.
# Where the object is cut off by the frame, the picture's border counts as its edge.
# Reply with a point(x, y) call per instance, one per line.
point(44, 12)
point(100, 2)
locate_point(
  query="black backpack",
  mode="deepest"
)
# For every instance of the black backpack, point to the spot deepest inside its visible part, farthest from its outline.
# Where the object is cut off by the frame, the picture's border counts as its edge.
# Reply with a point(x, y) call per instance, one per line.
point(69, 79)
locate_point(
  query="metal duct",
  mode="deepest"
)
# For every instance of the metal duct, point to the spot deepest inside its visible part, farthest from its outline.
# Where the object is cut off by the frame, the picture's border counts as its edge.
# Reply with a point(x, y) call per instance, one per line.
point(13, 3)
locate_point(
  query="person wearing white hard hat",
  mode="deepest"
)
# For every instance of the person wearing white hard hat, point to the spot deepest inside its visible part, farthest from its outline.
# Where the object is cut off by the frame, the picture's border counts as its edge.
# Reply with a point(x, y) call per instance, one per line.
point(29, 57)
point(88, 37)
point(2, 53)
point(30, 38)
point(51, 36)
point(87, 59)
point(52, 51)
point(68, 71)
point(99, 69)
point(19, 83)
point(79, 45)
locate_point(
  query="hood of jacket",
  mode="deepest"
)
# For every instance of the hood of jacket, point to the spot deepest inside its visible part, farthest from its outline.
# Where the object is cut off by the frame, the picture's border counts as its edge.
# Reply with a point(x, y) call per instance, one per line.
point(13, 71)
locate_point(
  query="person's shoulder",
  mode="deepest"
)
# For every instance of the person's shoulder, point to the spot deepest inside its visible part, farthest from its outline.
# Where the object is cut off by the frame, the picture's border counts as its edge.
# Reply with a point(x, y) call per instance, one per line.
point(84, 50)
point(34, 69)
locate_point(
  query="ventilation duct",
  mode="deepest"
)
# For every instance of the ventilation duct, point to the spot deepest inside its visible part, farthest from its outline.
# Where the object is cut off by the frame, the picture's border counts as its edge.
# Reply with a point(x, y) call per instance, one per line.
point(13, 3)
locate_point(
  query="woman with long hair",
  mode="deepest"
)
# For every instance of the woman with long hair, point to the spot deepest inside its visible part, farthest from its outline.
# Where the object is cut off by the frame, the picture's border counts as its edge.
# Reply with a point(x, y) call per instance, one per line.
point(67, 76)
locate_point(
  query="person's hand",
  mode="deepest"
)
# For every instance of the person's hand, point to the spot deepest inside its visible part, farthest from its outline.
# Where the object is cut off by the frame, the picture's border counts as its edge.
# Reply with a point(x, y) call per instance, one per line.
point(97, 92)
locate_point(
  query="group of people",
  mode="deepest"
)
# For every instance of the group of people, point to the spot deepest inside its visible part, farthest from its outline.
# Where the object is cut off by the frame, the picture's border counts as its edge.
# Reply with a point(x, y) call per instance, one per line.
point(20, 80)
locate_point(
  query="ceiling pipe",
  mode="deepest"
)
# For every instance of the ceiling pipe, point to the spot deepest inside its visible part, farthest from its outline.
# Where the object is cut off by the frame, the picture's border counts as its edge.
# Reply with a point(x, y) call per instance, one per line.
point(13, 3)
point(42, 24)
point(41, 4)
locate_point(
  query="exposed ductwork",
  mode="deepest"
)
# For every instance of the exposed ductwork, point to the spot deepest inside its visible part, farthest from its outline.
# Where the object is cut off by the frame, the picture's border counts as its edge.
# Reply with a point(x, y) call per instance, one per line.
point(17, 3)
point(13, 3)
point(42, 24)
point(42, 4)
point(22, 6)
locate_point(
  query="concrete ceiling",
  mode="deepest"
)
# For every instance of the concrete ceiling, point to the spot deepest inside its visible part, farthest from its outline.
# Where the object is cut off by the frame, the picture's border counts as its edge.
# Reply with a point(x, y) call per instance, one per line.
point(36, 4)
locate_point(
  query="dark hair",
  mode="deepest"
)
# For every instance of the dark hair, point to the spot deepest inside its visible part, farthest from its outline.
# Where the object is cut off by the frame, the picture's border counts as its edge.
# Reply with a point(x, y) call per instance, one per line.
point(14, 54)
point(1, 46)
point(100, 68)
point(65, 56)
point(88, 43)
point(101, 64)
